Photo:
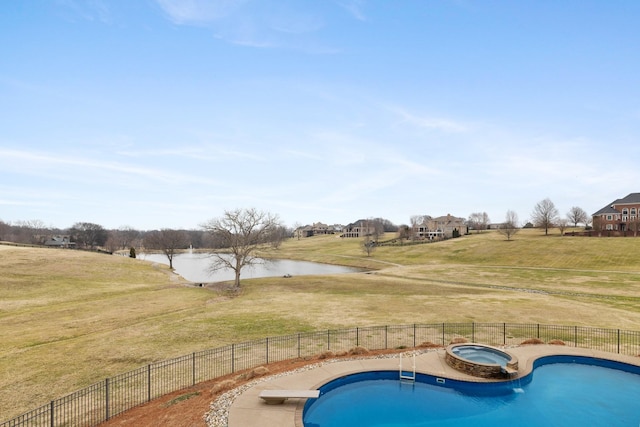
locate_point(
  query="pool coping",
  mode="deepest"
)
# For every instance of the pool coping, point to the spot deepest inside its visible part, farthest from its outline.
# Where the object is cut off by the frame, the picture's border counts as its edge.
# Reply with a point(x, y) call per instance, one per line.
point(249, 410)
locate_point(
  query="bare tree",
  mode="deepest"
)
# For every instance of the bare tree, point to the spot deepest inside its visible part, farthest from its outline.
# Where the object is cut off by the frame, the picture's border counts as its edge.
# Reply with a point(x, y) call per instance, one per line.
point(634, 225)
point(88, 234)
point(370, 236)
point(296, 227)
point(241, 232)
point(577, 215)
point(125, 236)
point(562, 225)
point(404, 232)
point(479, 221)
point(510, 225)
point(111, 244)
point(35, 229)
point(598, 225)
point(545, 215)
point(4, 230)
point(415, 222)
point(383, 225)
point(278, 235)
point(168, 241)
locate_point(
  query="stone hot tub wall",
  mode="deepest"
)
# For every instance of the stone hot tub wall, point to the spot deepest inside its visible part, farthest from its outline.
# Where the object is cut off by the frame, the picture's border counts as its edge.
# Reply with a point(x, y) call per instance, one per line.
point(481, 370)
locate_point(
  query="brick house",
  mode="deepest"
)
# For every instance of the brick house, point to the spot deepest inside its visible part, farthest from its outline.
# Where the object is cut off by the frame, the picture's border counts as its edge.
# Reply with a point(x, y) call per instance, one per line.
point(620, 215)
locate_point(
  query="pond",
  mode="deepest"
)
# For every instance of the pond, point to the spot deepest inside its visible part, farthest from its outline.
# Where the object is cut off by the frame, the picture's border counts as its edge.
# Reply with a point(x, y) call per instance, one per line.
point(196, 268)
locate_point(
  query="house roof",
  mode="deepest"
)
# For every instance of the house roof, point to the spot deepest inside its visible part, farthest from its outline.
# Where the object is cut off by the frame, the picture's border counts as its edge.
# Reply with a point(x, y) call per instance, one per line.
point(444, 219)
point(358, 223)
point(631, 199)
point(449, 218)
point(58, 241)
point(606, 210)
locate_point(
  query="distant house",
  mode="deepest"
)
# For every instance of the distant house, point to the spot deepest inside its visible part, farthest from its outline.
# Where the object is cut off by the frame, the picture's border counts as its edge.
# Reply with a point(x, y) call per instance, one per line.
point(320, 228)
point(360, 228)
point(317, 228)
point(442, 227)
point(620, 215)
point(60, 242)
point(305, 231)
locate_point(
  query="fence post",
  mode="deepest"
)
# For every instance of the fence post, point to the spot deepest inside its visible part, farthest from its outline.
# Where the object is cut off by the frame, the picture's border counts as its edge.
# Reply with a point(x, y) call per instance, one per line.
point(443, 333)
point(618, 341)
point(267, 348)
point(233, 358)
point(357, 337)
point(51, 409)
point(299, 350)
point(328, 339)
point(473, 332)
point(538, 331)
point(414, 334)
point(106, 399)
point(148, 382)
point(575, 336)
point(193, 367)
point(504, 334)
point(386, 337)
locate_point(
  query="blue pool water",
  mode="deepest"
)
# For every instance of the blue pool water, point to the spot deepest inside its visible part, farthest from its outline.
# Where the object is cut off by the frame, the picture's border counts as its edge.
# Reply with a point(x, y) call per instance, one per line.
point(562, 391)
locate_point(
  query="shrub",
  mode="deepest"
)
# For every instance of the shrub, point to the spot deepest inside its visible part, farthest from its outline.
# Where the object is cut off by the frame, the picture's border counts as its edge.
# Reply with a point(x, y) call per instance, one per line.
point(429, 344)
point(223, 386)
point(358, 350)
point(532, 341)
point(260, 371)
point(325, 354)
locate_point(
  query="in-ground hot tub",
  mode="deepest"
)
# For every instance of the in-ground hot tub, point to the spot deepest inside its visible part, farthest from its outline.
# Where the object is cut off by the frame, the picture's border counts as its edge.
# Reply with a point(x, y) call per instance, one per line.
point(482, 360)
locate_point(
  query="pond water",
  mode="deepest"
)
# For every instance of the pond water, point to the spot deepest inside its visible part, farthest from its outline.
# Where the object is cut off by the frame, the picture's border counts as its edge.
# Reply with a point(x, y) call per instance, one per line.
point(196, 268)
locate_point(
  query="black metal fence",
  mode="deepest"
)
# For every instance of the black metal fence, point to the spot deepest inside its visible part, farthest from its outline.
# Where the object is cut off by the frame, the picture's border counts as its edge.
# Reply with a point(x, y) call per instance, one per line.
point(106, 399)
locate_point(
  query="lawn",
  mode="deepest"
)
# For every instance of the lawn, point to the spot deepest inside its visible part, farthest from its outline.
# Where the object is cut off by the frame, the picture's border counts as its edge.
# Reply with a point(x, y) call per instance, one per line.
point(69, 318)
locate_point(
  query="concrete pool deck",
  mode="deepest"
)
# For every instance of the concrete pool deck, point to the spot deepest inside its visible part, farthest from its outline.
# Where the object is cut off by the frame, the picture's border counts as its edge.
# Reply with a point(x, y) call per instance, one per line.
point(249, 410)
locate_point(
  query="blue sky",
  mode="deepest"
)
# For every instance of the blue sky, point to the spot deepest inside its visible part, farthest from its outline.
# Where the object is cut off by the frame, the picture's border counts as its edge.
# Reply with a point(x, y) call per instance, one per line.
point(164, 113)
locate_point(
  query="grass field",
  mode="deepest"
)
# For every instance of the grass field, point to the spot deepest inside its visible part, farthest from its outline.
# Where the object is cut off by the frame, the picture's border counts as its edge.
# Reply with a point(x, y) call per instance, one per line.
point(69, 319)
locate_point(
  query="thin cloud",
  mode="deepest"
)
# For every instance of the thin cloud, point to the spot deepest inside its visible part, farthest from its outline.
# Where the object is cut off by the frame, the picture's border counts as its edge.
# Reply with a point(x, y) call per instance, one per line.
point(47, 164)
point(190, 12)
point(303, 154)
point(92, 10)
point(265, 24)
point(428, 122)
point(354, 7)
point(207, 152)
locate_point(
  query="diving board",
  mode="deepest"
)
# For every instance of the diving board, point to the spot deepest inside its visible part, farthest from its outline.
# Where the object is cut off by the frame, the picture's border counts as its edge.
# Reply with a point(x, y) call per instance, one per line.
point(274, 397)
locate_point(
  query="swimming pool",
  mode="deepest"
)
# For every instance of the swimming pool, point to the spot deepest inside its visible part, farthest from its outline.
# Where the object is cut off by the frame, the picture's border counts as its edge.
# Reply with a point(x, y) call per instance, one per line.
point(565, 391)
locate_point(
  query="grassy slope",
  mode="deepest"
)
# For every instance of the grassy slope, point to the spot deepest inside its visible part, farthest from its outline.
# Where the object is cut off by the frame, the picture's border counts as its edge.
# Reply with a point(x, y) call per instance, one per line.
point(69, 319)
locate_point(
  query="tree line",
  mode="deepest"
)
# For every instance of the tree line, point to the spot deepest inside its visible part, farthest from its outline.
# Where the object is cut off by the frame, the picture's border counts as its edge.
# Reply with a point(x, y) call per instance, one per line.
point(545, 216)
point(238, 234)
point(86, 235)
